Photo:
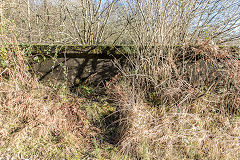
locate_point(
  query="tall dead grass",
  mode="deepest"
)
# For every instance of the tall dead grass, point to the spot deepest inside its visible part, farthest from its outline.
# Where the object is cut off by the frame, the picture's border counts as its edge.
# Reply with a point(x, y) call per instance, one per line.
point(36, 121)
point(179, 97)
point(193, 114)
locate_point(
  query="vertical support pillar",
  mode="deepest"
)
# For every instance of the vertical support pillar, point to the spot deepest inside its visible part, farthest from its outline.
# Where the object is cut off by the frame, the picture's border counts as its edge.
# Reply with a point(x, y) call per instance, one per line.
point(29, 20)
point(1, 11)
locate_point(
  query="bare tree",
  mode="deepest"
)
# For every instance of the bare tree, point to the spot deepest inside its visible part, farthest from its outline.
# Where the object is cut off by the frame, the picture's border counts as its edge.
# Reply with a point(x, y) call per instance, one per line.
point(116, 21)
point(166, 75)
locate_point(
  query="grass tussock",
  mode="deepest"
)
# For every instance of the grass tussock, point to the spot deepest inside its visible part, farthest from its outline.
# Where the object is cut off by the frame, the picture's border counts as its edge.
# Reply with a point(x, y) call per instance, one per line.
point(38, 121)
point(186, 107)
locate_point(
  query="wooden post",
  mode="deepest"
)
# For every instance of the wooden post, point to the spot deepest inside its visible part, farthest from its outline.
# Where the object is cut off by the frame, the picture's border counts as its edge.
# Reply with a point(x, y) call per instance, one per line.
point(46, 20)
point(1, 11)
point(29, 20)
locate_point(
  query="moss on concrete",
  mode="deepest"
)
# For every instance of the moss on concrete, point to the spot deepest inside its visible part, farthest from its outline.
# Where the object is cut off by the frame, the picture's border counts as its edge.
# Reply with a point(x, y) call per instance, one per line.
point(88, 51)
point(79, 51)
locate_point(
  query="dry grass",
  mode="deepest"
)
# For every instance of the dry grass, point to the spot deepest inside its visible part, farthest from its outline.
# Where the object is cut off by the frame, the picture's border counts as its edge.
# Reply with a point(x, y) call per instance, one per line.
point(193, 131)
point(193, 114)
point(180, 96)
point(174, 102)
point(37, 121)
point(35, 125)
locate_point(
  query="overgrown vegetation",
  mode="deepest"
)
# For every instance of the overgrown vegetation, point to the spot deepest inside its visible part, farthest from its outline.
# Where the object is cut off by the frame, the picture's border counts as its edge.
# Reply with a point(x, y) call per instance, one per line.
point(177, 98)
point(192, 112)
point(43, 122)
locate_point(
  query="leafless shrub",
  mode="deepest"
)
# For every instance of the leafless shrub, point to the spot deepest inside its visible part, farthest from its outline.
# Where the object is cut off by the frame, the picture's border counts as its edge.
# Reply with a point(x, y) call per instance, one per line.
point(13, 64)
point(176, 77)
point(35, 120)
point(85, 22)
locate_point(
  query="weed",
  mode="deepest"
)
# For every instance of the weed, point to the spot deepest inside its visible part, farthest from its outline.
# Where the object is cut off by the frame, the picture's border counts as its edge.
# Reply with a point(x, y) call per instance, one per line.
point(39, 121)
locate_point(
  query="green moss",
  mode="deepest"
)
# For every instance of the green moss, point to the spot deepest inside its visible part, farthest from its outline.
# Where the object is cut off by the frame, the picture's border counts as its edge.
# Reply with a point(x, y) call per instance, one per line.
point(84, 51)
point(78, 49)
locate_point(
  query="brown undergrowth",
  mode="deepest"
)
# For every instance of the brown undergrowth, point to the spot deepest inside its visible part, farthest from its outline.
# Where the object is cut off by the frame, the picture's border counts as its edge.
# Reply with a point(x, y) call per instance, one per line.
point(186, 107)
point(38, 121)
point(173, 103)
